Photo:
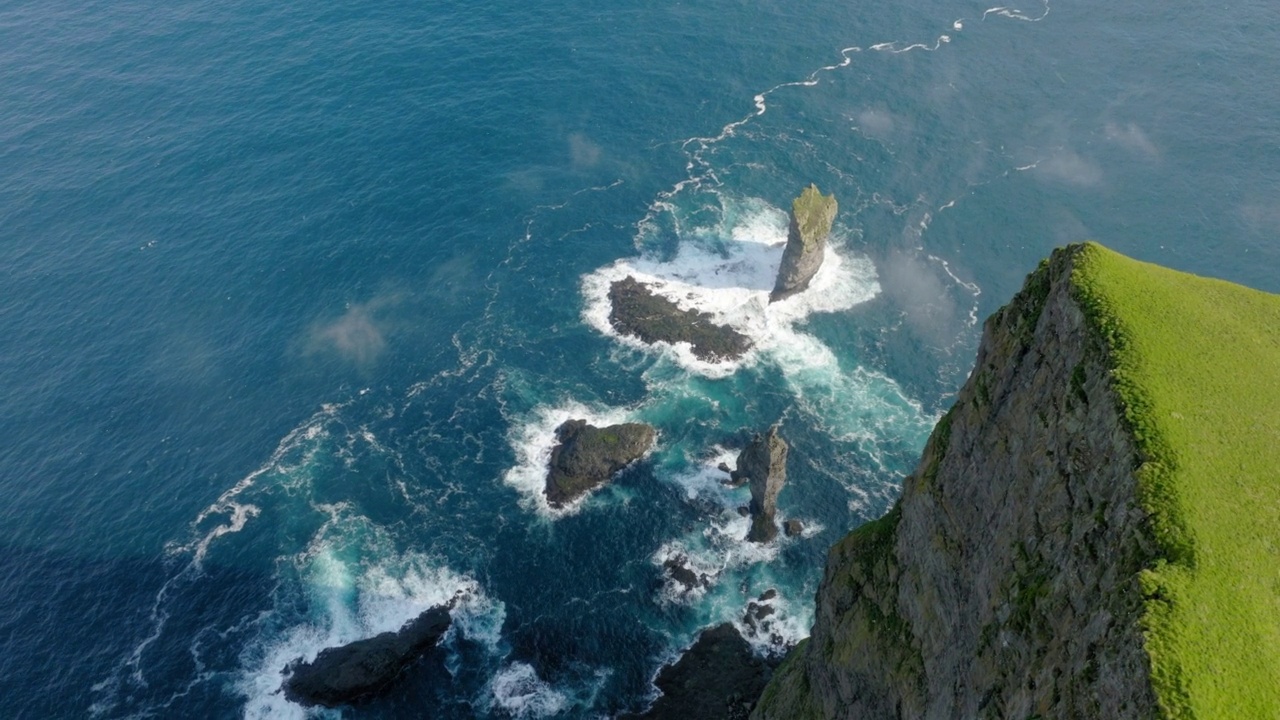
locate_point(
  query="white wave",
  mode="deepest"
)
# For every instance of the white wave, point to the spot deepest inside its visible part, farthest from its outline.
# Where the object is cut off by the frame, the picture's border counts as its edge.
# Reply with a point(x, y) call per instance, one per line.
point(728, 272)
point(357, 588)
point(776, 632)
point(705, 480)
point(720, 549)
point(533, 435)
point(519, 692)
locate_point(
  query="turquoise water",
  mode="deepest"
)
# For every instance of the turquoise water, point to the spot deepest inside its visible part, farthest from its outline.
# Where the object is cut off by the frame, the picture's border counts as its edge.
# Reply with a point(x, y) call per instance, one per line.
point(295, 294)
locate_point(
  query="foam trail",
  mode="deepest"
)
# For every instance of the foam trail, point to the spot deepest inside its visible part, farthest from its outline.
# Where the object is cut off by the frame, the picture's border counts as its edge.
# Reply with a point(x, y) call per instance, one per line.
point(355, 585)
point(292, 454)
point(1016, 14)
point(728, 271)
point(521, 694)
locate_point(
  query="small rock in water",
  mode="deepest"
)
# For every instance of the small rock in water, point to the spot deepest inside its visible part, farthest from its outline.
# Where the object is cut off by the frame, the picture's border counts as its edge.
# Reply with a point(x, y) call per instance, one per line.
point(640, 312)
point(677, 567)
point(357, 671)
point(587, 456)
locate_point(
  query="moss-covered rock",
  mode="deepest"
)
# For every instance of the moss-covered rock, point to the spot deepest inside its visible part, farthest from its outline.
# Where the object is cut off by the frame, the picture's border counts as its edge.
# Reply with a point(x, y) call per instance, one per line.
point(811, 217)
point(586, 456)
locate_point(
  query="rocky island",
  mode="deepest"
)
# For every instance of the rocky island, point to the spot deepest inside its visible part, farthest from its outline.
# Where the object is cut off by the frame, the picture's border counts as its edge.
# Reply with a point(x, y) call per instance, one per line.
point(638, 311)
point(810, 224)
point(586, 456)
point(360, 670)
point(1093, 530)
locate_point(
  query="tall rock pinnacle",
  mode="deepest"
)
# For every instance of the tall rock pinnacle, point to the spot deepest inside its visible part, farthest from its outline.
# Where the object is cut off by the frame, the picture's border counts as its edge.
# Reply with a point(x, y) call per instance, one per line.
point(764, 465)
point(811, 217)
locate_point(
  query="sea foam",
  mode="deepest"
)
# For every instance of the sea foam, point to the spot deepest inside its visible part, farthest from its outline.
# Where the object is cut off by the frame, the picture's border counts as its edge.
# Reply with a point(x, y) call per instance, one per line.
point(728, 272)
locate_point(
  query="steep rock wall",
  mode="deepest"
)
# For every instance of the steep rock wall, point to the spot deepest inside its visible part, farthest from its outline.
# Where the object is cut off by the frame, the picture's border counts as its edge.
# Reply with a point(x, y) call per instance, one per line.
point(1004, 584)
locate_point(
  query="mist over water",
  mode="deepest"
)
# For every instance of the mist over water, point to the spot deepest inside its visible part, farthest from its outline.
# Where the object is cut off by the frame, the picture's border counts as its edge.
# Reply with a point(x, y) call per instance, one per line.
point(296, 296)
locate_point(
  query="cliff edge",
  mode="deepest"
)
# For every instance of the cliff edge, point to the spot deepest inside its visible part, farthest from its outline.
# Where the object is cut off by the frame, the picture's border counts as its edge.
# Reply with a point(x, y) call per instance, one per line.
point(1093, 530)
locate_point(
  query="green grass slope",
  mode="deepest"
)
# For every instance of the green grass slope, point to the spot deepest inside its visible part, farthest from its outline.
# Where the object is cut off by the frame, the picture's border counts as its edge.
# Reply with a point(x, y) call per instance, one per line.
point(1197, 367)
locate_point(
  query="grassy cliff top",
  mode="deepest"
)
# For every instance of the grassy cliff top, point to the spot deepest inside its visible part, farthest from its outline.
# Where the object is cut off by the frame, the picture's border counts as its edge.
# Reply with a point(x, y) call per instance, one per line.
point(1196, 363)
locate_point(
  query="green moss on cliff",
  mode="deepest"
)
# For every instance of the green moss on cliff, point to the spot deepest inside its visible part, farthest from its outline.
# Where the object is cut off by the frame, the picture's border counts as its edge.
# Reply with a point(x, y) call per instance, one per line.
point(1196, 365)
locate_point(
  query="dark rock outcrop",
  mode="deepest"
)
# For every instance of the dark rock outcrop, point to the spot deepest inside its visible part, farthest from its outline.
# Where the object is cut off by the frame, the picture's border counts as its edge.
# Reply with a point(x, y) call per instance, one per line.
point(587, 456)
point(640, 312)
point(357, 671)
point(763, 464)
point(717, 679)
point(811, 217)
point(677, 568)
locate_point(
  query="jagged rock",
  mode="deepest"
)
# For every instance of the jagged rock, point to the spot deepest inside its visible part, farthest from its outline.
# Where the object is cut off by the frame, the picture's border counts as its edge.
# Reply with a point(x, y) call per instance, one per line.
point(357, 671)
point(717, 679)
point(763, 464)
point(677, 567)
point(587, 456)
point(793, 528)
point(638, 311)
point(811, 217)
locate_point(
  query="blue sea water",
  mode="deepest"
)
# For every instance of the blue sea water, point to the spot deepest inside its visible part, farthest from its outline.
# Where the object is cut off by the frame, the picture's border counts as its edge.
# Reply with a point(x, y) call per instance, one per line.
point(294, 295)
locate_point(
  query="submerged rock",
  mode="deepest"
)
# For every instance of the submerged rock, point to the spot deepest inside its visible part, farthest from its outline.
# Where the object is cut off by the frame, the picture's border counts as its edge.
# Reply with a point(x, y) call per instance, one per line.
point(717, 679)
point(763, 464)
point(640, 312)
point(359, 670)
point(587, 456)
point(811, 217)
point(679, 571)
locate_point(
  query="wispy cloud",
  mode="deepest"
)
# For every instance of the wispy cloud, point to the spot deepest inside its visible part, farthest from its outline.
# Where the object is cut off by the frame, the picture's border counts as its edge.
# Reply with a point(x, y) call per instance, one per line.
point(1131, 138)
point(358, 336)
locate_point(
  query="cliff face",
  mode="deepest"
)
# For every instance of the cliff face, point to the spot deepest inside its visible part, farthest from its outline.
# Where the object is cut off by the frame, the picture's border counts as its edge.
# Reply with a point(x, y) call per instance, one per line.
point(1005, 583)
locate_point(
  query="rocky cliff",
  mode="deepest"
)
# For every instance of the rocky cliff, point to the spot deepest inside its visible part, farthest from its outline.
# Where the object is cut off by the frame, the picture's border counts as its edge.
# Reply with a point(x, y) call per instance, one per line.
point(1050, 556)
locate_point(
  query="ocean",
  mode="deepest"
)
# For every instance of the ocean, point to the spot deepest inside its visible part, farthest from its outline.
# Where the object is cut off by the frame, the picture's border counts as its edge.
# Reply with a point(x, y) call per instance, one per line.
point(294, 296)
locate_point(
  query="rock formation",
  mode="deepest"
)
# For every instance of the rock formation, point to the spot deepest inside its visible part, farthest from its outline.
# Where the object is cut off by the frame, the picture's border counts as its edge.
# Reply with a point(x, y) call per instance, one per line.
point(717, 679)
point(640, 312)
point(587, 456)
point(357, 671)
point(763, 464)
point(1004, 583)
point(811, 217)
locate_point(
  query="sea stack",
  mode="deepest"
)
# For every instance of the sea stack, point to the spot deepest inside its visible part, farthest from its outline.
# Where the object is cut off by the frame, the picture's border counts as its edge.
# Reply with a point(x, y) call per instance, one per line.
point(763, 464)
point(811, 217)
point(587, 456)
